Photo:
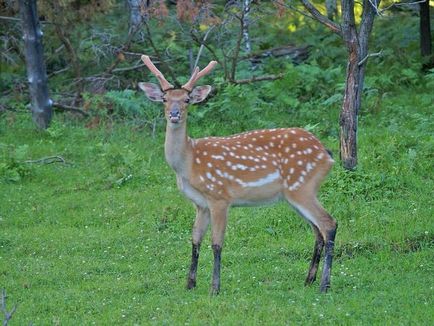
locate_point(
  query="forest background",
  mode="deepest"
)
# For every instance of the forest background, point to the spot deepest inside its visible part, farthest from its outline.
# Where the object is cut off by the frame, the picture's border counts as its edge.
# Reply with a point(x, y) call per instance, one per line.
point(92, 227)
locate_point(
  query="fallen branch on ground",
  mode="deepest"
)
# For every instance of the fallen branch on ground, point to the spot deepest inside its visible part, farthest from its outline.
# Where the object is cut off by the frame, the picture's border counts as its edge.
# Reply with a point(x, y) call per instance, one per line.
point(48, 160)
point(69, 108)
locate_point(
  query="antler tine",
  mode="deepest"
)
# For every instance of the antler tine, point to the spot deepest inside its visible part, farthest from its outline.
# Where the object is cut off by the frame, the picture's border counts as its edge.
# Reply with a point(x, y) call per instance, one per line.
point(165, 85)
point(196, 75)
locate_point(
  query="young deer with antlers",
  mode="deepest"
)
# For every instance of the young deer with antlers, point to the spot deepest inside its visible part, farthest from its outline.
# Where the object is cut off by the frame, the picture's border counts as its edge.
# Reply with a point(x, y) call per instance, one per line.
point(250, 168)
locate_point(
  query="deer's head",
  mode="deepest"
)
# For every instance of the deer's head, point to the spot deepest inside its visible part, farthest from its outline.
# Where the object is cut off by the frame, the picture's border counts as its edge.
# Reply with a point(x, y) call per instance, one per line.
point(176, 100)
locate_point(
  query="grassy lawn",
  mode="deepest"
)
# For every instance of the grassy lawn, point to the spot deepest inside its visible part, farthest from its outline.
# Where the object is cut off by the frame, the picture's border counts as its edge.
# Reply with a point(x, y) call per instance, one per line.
point(105, 238)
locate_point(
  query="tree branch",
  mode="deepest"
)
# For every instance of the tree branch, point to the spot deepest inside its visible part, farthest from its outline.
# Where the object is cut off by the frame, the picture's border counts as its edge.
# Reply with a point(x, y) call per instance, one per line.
point(377, 54)
point(48, 160)
point(321, 18)
point(128, 68)
point(70, 108)
point(260, 78)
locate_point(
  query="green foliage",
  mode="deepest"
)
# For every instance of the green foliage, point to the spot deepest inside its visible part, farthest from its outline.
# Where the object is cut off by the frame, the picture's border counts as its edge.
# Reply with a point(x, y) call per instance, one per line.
point(12, 165)
point(125, 105)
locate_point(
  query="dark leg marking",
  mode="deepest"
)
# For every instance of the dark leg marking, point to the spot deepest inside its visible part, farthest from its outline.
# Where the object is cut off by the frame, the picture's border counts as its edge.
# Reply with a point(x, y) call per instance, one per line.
point(329, 246)
point(316, 257)
point(215, 289)
point(191, 281)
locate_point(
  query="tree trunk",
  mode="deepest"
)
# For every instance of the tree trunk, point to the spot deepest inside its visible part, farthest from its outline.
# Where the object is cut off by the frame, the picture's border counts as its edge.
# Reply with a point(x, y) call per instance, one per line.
point(136, 17)
point(357, 45)
point(246, 23)
point(348, 115)
point(425, 35)
point(40, 102)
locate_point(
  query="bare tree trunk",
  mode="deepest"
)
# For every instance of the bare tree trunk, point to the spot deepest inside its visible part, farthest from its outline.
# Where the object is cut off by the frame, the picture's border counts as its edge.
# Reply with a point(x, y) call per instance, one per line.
point(357, 46)
point(348, 115)
point(36, 72)
point(425, 35)
point(136, 16)
point(246, 22)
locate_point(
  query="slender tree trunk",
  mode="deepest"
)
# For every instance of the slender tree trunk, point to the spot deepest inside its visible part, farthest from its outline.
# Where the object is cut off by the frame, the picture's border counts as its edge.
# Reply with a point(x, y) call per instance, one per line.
point(136, 17)
point(348, 115)
point(246, 22)
point(357, 45)
point(425, 35)
point(40, 102)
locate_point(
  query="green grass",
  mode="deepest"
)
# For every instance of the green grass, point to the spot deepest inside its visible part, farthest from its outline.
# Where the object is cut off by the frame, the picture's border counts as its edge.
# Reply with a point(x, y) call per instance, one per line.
point(105, 239)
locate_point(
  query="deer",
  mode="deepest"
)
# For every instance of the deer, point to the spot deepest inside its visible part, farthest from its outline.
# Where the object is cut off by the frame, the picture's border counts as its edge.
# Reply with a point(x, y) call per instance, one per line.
point(246, 169)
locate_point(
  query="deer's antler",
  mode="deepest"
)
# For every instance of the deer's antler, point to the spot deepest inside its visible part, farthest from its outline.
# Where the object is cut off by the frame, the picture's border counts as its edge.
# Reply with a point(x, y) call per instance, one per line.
point(165, 85)
point(197, 74)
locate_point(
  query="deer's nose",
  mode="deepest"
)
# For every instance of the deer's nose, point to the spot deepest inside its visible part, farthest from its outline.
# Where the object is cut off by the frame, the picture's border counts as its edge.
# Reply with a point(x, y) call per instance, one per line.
point(174, 114)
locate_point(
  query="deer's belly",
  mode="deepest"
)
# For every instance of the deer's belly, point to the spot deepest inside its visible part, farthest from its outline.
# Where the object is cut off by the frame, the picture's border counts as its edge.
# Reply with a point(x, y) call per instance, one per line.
point(257, 201)
point(257, 196)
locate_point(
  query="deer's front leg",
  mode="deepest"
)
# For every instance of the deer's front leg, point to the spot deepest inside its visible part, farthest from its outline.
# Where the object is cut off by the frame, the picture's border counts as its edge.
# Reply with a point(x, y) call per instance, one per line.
point(200, 226)
point(219, 211)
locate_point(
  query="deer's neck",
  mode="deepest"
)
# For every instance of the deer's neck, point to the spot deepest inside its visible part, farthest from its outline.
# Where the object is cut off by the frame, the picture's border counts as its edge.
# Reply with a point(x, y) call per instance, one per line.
point(178, 149)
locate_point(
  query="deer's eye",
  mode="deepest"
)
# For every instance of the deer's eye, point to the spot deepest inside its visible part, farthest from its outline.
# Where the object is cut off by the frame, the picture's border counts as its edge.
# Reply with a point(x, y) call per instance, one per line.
point(164, 100)
point(187, 100)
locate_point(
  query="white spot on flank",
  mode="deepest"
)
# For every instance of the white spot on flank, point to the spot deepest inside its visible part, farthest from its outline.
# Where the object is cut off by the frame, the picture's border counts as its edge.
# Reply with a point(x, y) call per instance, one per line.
point(197, 160)
point(300, 162)
point(294, 145)
point(209, 165)
point(242, 167)
point(294, 186)
point(320, 156)
point(260, 182)
point(293, 132)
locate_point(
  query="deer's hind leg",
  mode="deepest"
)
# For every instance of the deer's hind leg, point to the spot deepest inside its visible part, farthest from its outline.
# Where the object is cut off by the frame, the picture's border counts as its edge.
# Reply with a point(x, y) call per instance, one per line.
point(324, 227)
point(316, 256)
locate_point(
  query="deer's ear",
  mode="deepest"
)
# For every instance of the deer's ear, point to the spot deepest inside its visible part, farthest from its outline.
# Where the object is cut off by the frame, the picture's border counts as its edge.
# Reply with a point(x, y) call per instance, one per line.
point(199, 93)
point(152, 91)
